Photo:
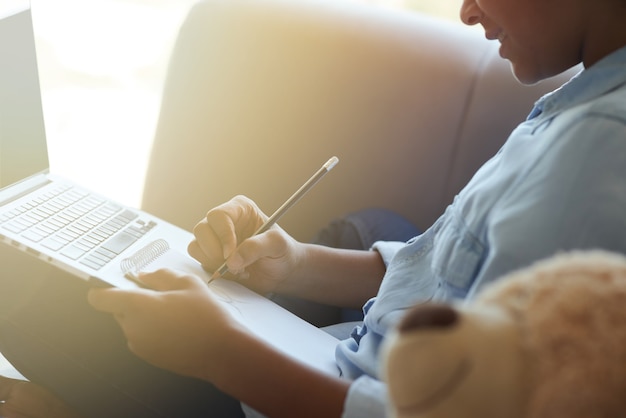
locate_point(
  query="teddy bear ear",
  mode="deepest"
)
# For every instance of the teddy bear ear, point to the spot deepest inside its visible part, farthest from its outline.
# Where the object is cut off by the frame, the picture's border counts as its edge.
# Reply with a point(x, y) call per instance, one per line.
point(428, 316)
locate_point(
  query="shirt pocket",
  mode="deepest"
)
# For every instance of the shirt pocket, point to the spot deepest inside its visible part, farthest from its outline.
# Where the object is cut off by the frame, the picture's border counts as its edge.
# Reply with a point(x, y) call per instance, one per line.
point(457, 254)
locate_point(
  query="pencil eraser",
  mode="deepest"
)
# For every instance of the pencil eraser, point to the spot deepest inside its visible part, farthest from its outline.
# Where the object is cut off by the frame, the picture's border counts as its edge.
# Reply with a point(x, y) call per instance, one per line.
point(331, 163)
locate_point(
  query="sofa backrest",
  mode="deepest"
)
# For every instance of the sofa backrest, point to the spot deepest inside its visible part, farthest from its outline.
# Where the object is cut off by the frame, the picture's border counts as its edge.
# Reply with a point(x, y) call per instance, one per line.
point(260, 93)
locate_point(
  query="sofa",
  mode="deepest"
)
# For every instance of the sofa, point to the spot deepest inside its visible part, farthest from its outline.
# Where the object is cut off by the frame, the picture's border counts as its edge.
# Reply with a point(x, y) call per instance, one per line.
point(260, 93)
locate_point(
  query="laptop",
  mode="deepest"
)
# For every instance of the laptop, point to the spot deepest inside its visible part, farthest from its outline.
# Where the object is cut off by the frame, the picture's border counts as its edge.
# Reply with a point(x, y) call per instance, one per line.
point(49, 217)
point(94, 238)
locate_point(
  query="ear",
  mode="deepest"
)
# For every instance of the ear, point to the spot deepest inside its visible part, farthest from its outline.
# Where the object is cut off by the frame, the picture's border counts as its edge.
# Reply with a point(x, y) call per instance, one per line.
point(428, 316)
point(447, 361)
point(424, 361)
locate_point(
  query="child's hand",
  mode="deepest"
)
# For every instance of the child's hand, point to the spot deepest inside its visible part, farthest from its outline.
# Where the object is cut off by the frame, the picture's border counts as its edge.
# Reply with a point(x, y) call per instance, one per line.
point(175, 323)
point(261, 261)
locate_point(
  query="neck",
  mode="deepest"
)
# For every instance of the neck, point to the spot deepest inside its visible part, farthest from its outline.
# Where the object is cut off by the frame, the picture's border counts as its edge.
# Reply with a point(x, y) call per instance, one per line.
point(607, 31)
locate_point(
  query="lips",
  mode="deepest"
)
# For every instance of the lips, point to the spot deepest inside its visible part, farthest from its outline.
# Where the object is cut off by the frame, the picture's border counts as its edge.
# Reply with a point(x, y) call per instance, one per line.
point(493, 35)
point(498, 35)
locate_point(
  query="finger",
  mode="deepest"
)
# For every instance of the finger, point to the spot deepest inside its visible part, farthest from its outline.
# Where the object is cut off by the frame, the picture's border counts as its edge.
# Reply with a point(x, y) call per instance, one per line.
point(167, 280)
point(160, 280)
point(269, 244)
point(111, 300)
point(220, 222)
point(194, 250)
point(206, 247)
point(235, 221)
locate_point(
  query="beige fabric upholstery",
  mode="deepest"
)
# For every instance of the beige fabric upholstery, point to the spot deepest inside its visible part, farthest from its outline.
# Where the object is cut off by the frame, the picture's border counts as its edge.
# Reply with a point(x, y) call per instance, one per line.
point(260, 93)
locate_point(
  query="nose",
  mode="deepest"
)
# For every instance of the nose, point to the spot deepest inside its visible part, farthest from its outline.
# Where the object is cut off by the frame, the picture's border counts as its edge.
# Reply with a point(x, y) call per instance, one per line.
point(471, 14)
point(428, 316)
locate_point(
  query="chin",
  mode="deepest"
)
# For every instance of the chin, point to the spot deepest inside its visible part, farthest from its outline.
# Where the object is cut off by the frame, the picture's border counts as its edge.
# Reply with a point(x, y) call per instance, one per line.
point(527, 77)
point(533, 74)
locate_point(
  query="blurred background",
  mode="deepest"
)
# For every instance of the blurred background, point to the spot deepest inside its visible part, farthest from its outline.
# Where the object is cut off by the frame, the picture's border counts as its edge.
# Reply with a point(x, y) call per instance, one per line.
point(102, 64)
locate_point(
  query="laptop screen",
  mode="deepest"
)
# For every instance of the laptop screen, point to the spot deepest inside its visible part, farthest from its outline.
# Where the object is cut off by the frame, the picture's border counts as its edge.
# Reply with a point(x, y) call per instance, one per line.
point(23, 148)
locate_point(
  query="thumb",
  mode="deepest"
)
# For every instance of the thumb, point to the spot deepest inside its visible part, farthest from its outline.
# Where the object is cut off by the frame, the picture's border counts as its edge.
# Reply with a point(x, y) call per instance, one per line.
point(269, 244)
point(164, 280)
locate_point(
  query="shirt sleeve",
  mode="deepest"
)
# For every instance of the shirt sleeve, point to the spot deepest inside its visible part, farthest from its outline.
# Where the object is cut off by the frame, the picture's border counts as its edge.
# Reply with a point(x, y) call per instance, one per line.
point(367, 398)
point(387, 249)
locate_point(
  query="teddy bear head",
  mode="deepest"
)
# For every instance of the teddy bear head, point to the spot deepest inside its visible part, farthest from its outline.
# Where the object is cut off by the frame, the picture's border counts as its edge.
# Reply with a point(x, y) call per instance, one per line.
point(546, 341)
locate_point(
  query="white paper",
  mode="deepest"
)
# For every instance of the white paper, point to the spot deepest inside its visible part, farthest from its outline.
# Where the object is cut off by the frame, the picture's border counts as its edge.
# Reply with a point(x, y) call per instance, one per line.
point(264, 318)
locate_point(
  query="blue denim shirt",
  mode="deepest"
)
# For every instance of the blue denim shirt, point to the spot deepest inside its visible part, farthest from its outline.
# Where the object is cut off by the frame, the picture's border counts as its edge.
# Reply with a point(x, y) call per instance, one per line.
point(558, 183)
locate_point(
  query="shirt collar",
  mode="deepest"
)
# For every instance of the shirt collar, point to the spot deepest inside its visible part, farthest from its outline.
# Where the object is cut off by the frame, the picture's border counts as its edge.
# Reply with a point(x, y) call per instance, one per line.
point(602, 77)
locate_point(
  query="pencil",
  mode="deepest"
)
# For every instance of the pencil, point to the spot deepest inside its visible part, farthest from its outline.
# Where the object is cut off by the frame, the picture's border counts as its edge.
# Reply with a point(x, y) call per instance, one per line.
point(285, 207)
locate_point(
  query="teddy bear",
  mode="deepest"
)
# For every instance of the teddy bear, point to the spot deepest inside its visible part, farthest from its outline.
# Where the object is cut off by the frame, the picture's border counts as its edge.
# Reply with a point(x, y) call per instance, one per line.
point(546, 341)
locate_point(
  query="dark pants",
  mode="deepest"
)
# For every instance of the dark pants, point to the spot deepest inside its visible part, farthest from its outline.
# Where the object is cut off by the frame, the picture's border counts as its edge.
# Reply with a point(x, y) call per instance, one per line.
point(51, 335)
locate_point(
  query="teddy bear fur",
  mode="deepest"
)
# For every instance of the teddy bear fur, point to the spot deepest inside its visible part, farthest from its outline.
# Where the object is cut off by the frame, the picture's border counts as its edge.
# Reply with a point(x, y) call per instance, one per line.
point(568, 313)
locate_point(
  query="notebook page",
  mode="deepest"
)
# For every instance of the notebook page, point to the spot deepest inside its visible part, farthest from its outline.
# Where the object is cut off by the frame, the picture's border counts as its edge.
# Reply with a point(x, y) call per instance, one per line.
point(269, 321)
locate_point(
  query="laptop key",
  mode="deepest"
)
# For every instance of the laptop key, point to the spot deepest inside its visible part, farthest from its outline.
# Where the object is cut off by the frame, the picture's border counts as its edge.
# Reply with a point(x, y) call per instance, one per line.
point(14, 227)
point(53, 244)
point(119, 242)
point(73, 252)
point(92, 263)
point(33, 235)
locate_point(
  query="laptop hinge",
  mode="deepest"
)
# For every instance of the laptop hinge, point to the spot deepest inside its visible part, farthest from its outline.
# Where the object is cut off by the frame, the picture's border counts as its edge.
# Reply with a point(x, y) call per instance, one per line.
point(22, 188)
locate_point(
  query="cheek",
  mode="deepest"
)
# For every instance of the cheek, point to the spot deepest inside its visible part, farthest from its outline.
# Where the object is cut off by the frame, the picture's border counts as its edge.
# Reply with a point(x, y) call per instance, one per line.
point(528, 52)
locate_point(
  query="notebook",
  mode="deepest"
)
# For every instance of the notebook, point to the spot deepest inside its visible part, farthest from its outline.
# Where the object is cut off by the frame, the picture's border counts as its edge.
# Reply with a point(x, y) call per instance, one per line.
point(88, 235)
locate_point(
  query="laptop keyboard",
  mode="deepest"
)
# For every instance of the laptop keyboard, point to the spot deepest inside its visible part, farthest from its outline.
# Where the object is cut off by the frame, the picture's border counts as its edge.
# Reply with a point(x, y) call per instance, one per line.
point(77, 225)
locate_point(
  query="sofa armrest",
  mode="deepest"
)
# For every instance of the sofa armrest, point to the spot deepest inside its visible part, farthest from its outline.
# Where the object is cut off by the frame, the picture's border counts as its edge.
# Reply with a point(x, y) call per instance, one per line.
point(260, 93)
